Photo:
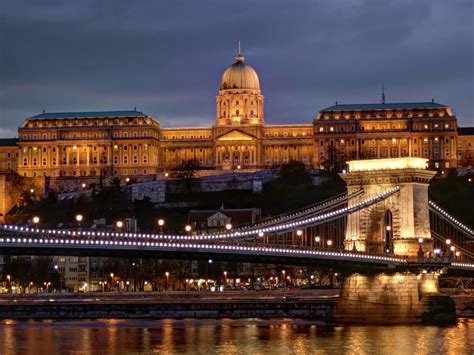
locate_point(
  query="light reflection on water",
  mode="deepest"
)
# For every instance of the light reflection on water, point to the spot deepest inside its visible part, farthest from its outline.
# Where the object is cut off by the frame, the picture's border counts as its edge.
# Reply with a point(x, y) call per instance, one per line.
point(228, 336)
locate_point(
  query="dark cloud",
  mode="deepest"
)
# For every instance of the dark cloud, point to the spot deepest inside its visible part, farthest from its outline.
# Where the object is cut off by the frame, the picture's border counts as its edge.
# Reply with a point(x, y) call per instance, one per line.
point(165, 58)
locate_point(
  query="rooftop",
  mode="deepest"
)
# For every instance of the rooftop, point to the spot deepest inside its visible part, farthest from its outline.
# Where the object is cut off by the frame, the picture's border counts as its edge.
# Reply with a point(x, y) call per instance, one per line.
point(466, 131)
point(8, 142)
point(385, 106)
point(95, 114)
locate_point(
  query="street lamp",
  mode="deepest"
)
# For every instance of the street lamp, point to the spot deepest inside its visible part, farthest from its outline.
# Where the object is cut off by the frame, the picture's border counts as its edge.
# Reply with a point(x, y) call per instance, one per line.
point(329, 243)
point(32, 191)
point(119, 224)
point(36, 220)
point(79, 218)
point(225, 278)
point(167, 274)
point(299, 232)
point(317, 240)
point(354, 238)
point(188, 228)
point(228, 226)
point(9, 282)
point(83, 185)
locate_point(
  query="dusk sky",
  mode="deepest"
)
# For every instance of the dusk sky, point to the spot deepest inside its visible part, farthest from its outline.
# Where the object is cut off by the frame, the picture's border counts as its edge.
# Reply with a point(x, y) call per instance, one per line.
point(165, 57)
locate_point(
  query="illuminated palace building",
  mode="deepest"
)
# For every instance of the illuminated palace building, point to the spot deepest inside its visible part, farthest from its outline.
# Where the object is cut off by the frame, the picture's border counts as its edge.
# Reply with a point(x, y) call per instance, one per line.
point(131, 143)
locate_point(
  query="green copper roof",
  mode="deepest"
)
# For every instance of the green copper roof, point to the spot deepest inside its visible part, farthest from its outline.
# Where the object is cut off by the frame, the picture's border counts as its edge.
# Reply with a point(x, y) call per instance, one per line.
point(386, 106)
point(8, 142)
point(89, 114)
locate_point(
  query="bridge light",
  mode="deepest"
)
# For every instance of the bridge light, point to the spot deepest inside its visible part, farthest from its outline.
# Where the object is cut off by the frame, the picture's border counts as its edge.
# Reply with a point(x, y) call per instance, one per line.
point(119, 224)
point(458, 253)
point(329, 242)
point(228, 226)
point(260, 234)
point(448, 241)
point(79, 218)
point(317, 239)
point(299, 232)
point(420, 240)
point(452, 248)
point(188, 228)
point(437, 251)
point(161, 222)
point(36, 219)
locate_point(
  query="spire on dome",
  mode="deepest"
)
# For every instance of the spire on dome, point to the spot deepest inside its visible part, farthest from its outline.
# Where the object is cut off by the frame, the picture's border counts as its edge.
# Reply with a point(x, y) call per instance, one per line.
point(239, 58)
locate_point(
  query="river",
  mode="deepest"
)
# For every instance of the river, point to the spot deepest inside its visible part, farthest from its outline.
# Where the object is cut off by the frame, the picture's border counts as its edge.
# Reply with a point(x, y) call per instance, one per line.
point(229, 336)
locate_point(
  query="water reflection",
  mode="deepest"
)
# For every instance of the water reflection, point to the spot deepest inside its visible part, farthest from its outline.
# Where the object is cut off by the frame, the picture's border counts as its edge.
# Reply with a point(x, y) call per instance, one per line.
point(255, 336)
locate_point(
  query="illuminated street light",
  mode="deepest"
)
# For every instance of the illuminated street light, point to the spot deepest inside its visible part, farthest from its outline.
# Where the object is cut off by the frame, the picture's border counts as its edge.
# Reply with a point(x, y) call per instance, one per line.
point(388, 228)
point(127, 179)
point(167, 274)
point(83, 185)
point(188, 228)
point(79, 219)
point(228, 226)
point(167, 174)
point(329, 242)
point(32, 191)
point(119, 224)
point(317, 239)
point(354, 238)
point(299, 232)
point(420, 240)
point(161, 222)
point(448, 241)
point(36, 220)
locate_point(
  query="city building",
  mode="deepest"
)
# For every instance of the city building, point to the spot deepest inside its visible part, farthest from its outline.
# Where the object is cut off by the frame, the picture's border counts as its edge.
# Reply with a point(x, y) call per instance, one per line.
point(215, 220)
point(89, 145)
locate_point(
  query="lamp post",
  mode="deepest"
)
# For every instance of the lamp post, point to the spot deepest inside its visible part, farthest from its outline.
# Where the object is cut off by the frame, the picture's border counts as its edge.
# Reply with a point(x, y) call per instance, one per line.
point(225, 278)
point(9, 278)
point(167, 274)
point(79, 219)
point(228, 226)
point(420, 249)
point(188, 228)
point(317, 240)
point(119, 225)
point(161, 223)
point(36, 220)
point(56, 267)
point(329, 243)
point(354, 238)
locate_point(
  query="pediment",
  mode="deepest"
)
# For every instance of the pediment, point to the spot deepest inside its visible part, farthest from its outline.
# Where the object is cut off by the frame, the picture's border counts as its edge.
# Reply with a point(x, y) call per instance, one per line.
point(236, 135)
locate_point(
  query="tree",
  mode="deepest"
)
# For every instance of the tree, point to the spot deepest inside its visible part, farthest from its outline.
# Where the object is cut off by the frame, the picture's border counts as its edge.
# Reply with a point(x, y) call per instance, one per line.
point(335, 161)
point(20, 271)
point(294, 172)
point(187, 172)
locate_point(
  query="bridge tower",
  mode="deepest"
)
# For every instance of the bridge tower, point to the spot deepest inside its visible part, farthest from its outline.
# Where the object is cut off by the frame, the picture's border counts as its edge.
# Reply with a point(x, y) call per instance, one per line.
point(395, 225)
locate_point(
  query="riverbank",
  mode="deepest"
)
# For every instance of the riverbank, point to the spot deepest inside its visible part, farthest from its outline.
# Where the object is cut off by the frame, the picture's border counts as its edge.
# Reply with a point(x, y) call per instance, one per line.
point(318, 305)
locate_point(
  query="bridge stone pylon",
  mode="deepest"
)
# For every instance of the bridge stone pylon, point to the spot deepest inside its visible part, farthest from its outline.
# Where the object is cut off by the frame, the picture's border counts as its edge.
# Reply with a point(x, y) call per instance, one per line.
point(396, 224)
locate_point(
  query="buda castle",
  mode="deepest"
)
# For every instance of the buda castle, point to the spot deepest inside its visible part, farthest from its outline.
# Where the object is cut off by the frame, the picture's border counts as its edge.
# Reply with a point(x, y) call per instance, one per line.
point(133, 144)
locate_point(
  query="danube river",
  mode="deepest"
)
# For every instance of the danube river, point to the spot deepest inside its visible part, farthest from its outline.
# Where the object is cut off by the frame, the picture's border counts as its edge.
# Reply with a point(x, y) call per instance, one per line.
point(227, 336)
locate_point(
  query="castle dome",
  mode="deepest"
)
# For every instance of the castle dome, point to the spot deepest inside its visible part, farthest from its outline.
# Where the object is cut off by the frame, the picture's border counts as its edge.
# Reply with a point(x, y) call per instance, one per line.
point(239, 76)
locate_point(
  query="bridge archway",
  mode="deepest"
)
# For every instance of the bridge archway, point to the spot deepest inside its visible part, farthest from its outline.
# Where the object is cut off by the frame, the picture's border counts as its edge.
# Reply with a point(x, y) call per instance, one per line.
point(408, 216)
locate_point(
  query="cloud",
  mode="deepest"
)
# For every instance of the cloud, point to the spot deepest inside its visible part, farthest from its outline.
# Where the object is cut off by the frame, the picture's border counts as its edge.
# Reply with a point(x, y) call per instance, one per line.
point(165, 58)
